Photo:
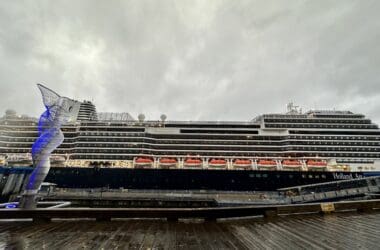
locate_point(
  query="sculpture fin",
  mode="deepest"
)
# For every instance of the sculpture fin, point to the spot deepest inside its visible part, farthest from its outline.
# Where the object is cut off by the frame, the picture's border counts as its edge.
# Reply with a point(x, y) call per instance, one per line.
point(49, 97)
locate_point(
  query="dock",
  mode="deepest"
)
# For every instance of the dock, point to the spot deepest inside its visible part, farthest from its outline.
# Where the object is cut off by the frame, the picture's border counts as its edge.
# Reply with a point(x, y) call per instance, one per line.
point(333, 231)
point(174, 214)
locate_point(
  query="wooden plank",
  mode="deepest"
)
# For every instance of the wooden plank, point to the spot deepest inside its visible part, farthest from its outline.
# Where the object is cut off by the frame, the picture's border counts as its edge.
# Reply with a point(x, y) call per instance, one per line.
point(335, 231)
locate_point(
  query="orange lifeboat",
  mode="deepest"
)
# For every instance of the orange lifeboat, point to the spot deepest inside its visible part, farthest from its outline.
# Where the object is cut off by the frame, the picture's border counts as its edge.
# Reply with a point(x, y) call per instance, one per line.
point(168, 162)
point(291, 164)
point(267, 164)
point(217, 163)
point(192, 162)
point(316, 164)
point(144, 162)
point(242, 163)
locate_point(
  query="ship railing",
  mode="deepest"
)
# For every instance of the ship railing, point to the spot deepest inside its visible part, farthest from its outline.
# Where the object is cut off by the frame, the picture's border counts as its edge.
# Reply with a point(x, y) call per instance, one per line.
point(158, 122)
point(333, 185)
point(207, 122)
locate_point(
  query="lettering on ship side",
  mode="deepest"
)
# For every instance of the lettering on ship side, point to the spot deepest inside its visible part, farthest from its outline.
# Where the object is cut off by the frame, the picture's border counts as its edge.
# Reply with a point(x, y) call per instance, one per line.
point(343, 176)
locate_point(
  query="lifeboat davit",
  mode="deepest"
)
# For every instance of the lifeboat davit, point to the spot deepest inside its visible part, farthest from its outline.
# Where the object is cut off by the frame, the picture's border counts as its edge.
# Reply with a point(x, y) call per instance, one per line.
point(192, 162)
point(144, 162)
point(168, 162)
point(291, 164)
point(219, 163)
point(242, 163)
point(267, 164)
point(316, 164)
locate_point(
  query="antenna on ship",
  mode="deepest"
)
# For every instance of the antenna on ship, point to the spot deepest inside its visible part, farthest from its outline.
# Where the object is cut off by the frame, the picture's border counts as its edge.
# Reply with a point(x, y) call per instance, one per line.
point(293, 109)
point(141, 118)
point(163, 117)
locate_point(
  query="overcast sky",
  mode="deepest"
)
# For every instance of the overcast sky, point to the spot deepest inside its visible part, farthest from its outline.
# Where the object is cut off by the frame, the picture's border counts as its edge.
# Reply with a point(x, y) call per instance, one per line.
point(192, 60)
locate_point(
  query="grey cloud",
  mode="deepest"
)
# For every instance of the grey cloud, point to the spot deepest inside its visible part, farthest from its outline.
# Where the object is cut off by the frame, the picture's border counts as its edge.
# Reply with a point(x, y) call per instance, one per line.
point(212, 60)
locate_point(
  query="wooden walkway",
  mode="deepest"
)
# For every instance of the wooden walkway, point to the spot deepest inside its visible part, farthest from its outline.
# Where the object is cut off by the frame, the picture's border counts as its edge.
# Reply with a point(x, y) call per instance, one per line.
point(334, 231)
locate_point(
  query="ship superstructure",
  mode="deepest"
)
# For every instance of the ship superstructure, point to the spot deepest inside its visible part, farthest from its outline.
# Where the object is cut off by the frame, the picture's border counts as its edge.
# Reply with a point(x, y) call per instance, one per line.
point(324, 140)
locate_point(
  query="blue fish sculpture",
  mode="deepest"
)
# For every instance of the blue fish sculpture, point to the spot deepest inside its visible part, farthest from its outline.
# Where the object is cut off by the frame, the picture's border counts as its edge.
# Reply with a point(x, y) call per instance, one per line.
point(59, 110)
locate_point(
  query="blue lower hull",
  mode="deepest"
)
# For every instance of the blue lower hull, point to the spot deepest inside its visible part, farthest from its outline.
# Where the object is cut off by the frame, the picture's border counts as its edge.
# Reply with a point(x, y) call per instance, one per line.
point(183, 179)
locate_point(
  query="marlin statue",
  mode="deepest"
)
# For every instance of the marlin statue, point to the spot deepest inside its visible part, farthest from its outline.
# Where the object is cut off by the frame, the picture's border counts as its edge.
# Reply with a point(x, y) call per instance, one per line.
point(58, 112)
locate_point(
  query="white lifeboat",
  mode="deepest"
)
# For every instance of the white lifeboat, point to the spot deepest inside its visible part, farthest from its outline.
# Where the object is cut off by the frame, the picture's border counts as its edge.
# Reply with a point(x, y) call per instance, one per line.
point(143, 162)
point(267, 164)
point(316, 164)
point(242, 163)
point(291, 164)
point(217, 163)
point(192, 163)
point(167, 162)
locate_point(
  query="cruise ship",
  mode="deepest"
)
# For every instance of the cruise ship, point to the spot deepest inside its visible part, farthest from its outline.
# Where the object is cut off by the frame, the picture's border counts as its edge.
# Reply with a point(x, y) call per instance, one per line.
point(269, 152)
